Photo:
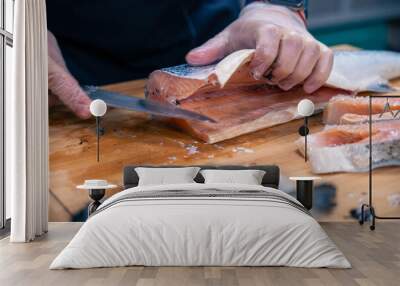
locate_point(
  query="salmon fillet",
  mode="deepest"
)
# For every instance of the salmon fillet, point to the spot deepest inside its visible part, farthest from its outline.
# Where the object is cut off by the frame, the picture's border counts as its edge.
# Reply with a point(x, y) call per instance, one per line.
point(240, 104)
point(350, 118)
point(344, 148)
point(227, 93)
point(342, 106)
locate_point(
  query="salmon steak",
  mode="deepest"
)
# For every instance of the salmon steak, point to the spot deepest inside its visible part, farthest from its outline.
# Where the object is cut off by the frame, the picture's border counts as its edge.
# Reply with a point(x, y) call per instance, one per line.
point(350, 118)
point(345, 148)
point(227, 93)
point(352, 110)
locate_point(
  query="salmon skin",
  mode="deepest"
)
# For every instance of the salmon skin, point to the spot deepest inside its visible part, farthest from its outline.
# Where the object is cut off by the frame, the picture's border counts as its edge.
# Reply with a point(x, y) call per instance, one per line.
point(240, 104)
point(364, 70)
point(345, 148)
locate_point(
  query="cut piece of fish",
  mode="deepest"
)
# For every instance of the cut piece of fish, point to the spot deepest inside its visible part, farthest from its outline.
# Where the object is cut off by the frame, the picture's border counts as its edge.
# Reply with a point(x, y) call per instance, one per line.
point(247, 109)
point(345, 148)
point(339, 106)
point(364, 70)
point(244, 109)
point(176, 83)
point(228, 94)
point(240, 104)
point(350, 118)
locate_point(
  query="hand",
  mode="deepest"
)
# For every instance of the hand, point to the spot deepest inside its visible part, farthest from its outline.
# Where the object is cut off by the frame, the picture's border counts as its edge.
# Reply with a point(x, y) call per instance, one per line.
point(62, 85)
point(286, 53)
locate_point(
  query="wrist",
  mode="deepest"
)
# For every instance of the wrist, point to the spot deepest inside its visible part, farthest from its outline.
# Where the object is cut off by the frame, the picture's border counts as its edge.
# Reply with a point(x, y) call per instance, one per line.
point(297, 15)
point(302, 14)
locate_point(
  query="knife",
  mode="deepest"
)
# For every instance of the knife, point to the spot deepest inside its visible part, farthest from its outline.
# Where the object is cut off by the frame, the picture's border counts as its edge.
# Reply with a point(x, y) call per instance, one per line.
point(118, 100)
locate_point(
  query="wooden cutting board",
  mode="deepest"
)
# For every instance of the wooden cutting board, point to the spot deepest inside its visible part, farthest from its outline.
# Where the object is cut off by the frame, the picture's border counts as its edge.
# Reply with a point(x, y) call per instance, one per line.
point(133, 138)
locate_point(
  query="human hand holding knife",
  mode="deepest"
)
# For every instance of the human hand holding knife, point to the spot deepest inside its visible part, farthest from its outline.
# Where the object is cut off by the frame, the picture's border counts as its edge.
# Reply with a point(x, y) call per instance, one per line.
point(118, 100)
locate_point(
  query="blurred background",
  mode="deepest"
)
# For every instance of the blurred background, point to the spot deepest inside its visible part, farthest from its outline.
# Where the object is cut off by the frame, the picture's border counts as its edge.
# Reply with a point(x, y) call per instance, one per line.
point(368, 24)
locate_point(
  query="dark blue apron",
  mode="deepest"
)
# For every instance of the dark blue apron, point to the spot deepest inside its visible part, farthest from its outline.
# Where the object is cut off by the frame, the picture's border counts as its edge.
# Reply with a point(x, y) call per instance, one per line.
point(106, 41)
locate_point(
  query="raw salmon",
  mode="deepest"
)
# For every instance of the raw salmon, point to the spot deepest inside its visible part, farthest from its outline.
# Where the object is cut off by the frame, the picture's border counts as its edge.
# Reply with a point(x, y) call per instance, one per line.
point(350, 118)
point(340, 106)
point(240, 104)
point(227, 93)
point(364, 70)
point(345, 148)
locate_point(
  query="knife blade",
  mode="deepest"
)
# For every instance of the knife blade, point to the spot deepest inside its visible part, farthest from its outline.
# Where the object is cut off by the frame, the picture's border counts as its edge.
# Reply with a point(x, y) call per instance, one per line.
point(118, 100)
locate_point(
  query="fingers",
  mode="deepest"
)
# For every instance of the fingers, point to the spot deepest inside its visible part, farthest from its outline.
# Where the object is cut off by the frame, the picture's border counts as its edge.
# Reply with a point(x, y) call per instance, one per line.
point(62, 85)
point(291, 48)
point(67, 89)
point(288, 59)
point(211, 51)
point(54, 50)
point(266, 50)
point(304, 67)
point(320, 72)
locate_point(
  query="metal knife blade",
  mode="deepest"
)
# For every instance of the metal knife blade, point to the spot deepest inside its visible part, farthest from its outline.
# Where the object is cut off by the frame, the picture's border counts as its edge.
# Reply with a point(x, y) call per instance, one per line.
point(118, 100)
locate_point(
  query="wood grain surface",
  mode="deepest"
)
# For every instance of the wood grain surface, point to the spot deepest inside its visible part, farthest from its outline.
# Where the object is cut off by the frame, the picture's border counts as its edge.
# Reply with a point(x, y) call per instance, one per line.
point(133, 138)
point(375, 258)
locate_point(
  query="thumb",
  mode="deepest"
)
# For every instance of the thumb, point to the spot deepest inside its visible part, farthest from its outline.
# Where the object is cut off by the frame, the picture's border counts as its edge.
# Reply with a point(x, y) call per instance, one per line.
point(214, 49)
point(67, 89)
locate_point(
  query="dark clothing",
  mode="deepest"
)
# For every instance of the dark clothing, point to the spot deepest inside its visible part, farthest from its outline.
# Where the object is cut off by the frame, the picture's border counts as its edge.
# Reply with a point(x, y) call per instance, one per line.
point(108, 41)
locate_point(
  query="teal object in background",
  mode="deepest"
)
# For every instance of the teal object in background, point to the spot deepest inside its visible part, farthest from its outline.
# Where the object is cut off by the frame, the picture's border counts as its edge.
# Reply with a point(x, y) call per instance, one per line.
point(370, 35)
